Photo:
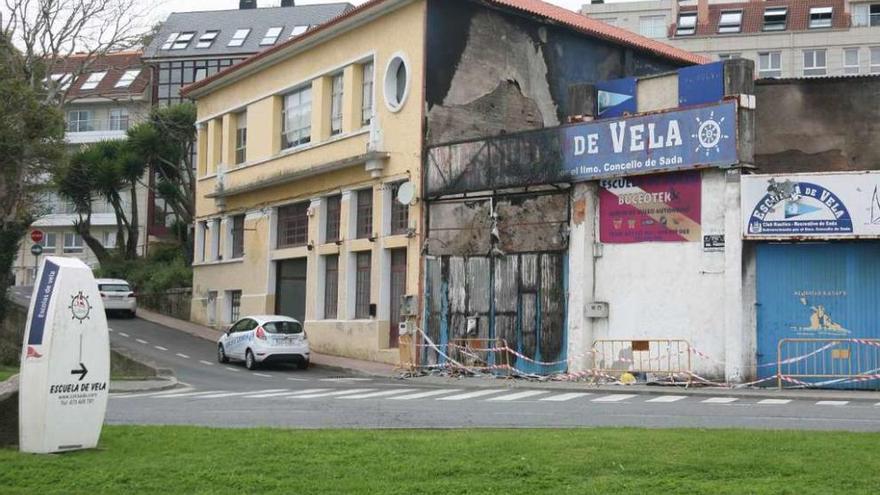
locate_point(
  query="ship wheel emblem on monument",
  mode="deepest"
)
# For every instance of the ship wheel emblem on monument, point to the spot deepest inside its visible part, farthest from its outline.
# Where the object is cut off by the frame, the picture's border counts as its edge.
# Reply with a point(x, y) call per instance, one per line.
point(709, 134)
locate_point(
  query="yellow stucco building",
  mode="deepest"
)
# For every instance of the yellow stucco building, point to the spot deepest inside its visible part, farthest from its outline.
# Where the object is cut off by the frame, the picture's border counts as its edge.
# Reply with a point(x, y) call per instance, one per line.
point(302, 151)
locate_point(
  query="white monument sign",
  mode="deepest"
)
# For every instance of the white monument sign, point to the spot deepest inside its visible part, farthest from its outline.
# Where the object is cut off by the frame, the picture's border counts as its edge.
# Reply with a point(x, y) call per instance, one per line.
point(65, 362)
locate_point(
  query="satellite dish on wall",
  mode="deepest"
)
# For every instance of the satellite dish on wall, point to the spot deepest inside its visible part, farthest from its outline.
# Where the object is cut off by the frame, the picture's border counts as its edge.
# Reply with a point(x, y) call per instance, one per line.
point(406, 193)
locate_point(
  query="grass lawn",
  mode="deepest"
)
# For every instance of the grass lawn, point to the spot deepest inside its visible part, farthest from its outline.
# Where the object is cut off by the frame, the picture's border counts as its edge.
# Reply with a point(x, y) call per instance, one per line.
point(7, 371)
point(170, 460)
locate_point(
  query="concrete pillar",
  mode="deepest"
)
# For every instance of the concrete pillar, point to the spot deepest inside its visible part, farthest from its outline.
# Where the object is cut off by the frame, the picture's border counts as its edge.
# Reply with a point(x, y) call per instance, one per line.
point(314, 276)
point(352, 98)
point(202, 149)
point(215, 138)
point(581, 274)
point(321, 90)
point(227, 152)
point(346, 259)
point(735, 348)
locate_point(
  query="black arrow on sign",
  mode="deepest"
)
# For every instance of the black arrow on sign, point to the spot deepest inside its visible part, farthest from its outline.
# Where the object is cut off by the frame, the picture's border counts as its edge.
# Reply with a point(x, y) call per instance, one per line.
point(82, 371)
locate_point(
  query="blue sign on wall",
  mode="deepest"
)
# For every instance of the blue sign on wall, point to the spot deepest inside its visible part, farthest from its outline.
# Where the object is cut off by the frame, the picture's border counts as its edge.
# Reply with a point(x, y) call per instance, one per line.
point(662, 142)
point(700, 84)
point(616, 97)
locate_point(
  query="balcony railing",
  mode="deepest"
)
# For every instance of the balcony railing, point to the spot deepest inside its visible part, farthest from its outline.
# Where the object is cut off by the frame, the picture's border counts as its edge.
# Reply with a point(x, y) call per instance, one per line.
point(120, 124)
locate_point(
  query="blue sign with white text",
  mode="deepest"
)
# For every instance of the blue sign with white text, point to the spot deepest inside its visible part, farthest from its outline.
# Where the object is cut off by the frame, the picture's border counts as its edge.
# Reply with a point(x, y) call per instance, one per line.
point(43, 295)
point(661, 142)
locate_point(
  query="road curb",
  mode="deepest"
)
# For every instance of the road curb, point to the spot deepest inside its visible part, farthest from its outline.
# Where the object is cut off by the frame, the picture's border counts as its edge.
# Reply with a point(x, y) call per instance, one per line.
point(152, 385)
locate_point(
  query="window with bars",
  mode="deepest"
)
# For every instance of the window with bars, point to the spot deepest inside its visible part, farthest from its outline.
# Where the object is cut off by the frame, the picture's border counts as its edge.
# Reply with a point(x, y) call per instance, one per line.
point(336, 104)
point(237, 236)
point(362, 285)
point(399, 212)
point(367, 92)
point(296, 118)
point(364, 224)
point(331, 222)
point(293, 225)
point(240, 137)
point(331, 287)
point(234, 305)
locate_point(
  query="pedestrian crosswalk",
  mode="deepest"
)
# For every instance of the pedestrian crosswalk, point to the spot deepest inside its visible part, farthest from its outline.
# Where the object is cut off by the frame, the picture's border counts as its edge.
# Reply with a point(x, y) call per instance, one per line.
point(488, 395)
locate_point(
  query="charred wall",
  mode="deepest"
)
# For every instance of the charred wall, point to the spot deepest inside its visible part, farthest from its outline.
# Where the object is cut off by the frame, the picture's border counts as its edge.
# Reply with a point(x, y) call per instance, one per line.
point(492, 72)
point(817, 125)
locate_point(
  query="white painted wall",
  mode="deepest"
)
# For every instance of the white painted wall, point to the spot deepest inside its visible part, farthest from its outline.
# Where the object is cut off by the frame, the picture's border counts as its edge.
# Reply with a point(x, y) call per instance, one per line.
point(663, 290)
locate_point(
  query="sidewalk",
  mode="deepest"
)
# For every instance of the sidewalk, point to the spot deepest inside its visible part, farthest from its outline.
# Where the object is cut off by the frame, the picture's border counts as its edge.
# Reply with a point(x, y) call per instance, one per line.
point(341, 364)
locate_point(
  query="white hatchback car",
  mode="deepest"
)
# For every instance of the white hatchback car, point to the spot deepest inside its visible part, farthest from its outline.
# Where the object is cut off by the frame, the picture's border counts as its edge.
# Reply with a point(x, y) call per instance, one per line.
point(265, 339)
point(117, 295)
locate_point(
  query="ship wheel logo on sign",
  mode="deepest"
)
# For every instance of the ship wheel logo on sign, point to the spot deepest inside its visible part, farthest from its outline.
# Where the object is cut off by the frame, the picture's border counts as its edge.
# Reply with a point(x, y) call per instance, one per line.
point(80, 307)
point(709, 134)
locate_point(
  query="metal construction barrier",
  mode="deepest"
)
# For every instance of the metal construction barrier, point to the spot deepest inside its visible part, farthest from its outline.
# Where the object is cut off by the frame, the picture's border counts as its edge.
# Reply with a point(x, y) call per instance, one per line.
point(658, 356)
point(842, 363)
point(481, 354)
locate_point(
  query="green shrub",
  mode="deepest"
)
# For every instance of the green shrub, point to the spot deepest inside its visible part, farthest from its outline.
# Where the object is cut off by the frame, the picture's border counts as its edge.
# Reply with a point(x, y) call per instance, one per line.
point(164, 268)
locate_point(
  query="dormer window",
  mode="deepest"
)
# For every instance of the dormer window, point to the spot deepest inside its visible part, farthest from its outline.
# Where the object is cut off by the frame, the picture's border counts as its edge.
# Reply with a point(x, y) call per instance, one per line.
point(730, 22)
point(207, 39)
point(169, 41)
point(94, 79)
point(127, 78)
point(298, 30)
point(775, 18)
point(239, 37)
point(687, 24)
point(182, 41)
point(271, 36)
point(820, 17)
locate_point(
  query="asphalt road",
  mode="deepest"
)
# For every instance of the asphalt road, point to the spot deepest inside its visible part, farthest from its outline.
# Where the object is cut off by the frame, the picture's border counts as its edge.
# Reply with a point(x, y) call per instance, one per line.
point(230, 396)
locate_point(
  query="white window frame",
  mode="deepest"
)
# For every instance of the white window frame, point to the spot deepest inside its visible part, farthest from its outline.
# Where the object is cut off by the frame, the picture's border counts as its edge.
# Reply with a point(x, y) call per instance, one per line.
point(73, 243)
point(814, 69)
point(241, 137)
point(215, 228)
point(771, 70)
point(821, 17)
point(82, 124)
point(49, 242)
point(849, 68)
point(688, 28)
point(108, 239)
point(730, 21)
point(337, 84)
point(271, 36)
point(93, 80)
point(652, 26)
point(367, 89)
point(207, 38)
point(874, 60)
point(119, 119)
point(296, 118)
point(729, 56)
point(240, 36)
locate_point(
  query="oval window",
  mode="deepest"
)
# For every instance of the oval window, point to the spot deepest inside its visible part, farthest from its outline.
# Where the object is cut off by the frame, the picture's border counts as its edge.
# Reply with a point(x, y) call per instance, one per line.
point(396, 83)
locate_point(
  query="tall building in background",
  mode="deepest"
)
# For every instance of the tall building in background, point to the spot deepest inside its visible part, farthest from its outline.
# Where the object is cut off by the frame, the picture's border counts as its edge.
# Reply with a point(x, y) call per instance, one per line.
point(105, 96)
point(785, 38)
point(193, 45)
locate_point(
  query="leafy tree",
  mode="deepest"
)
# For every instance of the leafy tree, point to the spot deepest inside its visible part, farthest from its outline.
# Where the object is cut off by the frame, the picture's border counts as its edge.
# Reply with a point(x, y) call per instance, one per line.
point(107, 170)
point(31, 143)
point(165, 142)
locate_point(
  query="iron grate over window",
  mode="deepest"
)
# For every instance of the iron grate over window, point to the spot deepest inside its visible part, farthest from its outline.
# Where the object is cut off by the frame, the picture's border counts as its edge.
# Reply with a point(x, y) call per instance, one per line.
point(237, 236)
point(331, 287)
point(334, 210)
point(364, 214)
point(362, 286)
point(399, 212)
point(293, 225)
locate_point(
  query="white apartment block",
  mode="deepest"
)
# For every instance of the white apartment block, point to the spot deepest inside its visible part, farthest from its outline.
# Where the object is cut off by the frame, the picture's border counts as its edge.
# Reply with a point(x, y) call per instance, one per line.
point(785, 38)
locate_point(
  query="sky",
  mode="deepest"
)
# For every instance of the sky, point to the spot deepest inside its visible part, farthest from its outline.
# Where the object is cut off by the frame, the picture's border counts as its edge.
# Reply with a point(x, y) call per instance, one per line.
point(168, 6)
